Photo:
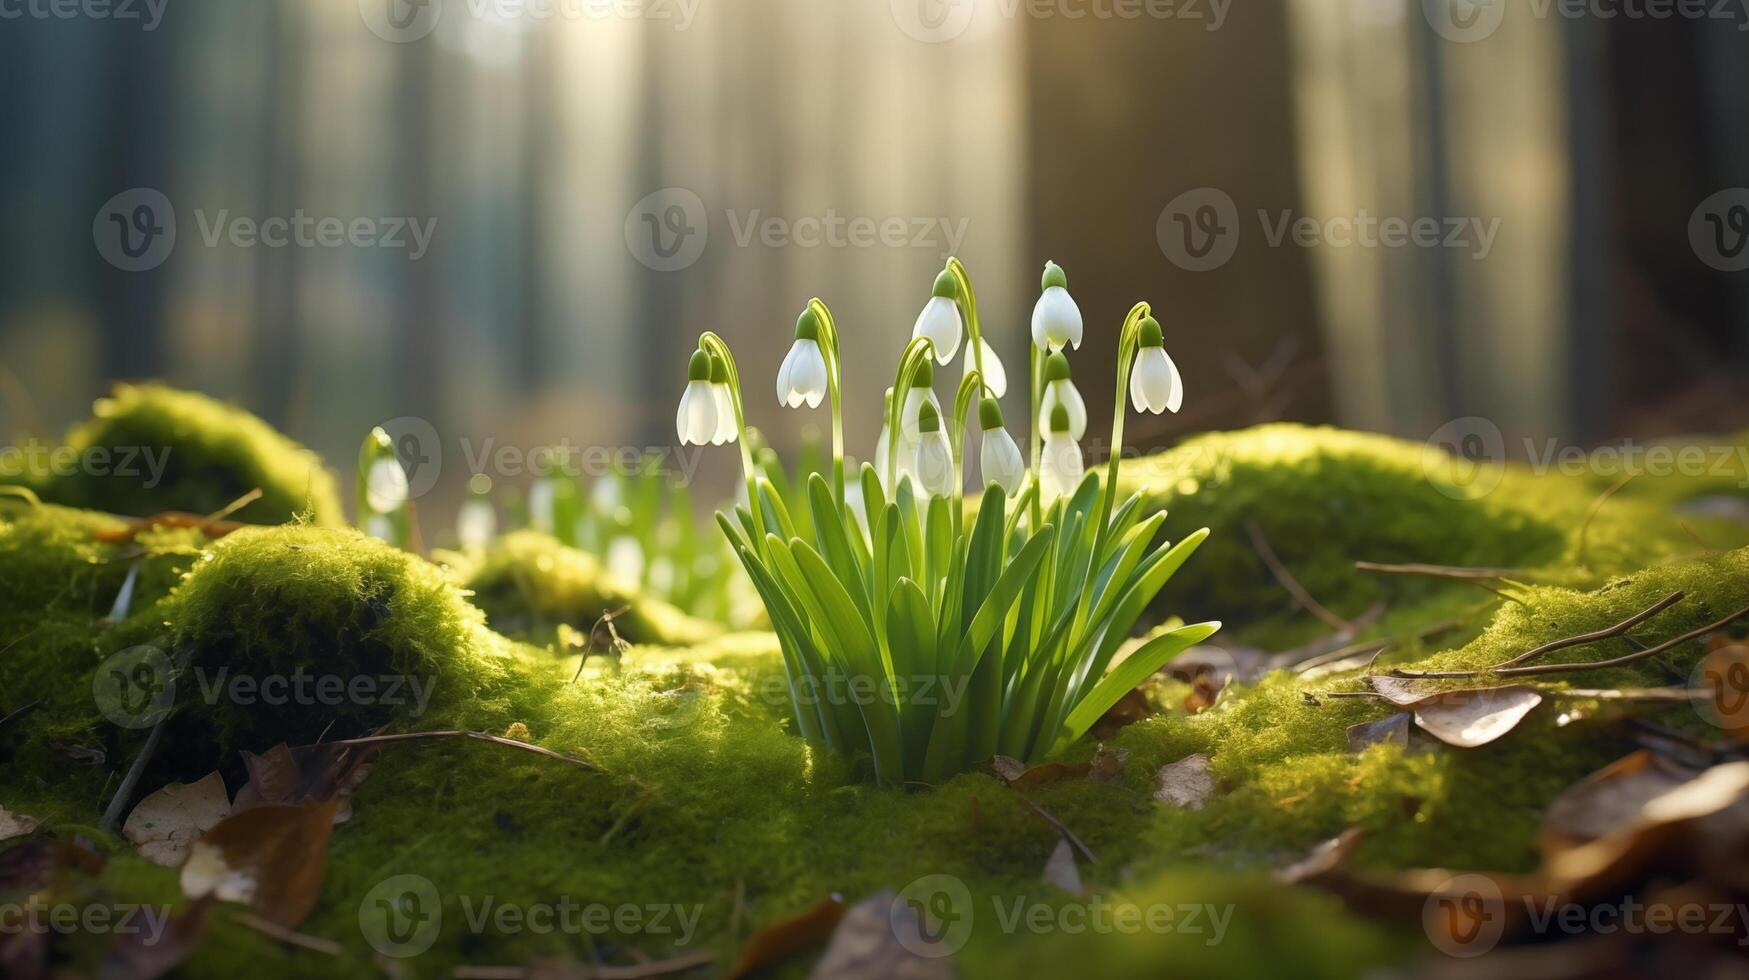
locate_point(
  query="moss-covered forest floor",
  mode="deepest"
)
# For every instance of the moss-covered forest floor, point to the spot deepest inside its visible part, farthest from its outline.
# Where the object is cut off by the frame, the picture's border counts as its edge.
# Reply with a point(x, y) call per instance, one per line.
point(678, 825)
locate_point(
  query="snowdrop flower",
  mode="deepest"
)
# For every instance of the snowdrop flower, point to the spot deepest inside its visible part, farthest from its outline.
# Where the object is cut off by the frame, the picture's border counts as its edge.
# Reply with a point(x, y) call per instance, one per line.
point(476, 524)
point(999, 459)
point(1060, 467)
point(380, 527)
point(1060, 390)
point(696, 421)
point(1056, 320)
point(995, 375)
point(543, 504)
point(625, 559)
point(940, 319)
point(1154, 382)
point(802, 378)
point(386, 486)
point(922, 392)
point(725, 400)
point(934, 469)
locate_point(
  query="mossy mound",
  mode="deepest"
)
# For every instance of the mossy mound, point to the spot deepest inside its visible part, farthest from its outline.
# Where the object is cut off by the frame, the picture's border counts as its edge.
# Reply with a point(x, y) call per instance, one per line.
point(285, 633)
point(1326, 498)
point(529, 584)
point(150, 449)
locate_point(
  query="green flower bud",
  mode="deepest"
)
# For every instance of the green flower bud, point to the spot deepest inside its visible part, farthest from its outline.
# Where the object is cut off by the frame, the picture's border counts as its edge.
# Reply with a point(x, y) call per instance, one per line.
point(699, 368)
point(808, 325)
point(1150, 334)
point(946, 286)
point(1056, 367)
point(927, 419)
point(1054, 276)
point(990, 414)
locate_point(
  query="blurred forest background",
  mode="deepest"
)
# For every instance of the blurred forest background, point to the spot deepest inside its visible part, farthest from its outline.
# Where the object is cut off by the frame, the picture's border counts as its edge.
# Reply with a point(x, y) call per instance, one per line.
point(603, 176)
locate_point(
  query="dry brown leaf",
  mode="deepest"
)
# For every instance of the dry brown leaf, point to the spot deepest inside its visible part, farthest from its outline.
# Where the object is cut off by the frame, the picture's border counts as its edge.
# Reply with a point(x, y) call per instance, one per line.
point(1128, 710)
point(1389, 731)
point(166, 824)
point(1061, 869)
point(1107, 765)
point(1016, 773)
point(785, 938)
point(16, 824)
point(300, 776)
point(1400, 691)
point(1204, 692)
point(1186, 783)
point(30, 865)
point(866, 946)
point(1469, 719)
point(270, 857)
point(1609, 800)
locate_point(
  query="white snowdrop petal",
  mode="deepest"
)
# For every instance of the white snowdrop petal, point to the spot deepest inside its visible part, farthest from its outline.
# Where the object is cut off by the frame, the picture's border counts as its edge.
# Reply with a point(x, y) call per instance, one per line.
point(385, 487)
point(935, 464)
point(1000, 461)
point(995, 375)
point(940, 322)
point(476, 524)
point(1056, 320)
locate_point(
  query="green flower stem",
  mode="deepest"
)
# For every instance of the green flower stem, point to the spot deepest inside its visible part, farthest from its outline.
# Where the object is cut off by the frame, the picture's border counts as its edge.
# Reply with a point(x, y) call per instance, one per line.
point(968, 300)
point(715, 346)
point(1036, 358)
point(829, 334)
point(910, 362)
point(1127, 346)
point(970, 386)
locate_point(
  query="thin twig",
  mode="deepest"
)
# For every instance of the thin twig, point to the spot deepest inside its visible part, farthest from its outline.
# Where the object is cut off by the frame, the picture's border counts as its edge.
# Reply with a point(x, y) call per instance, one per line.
point(1602, 634)
point(1436, 571)
point(1535, 669)
point(1596, 508)
point(274, 930)
point(481, 736)
point(20, 712)
point(113, 813)
point(234, 506)
point(1061, 827)
point(1287, 580)
point(640, 971)
point(616, 643)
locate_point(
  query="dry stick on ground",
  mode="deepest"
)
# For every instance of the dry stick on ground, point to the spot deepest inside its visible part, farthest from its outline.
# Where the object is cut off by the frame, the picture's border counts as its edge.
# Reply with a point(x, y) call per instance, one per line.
point(481, 736)
point(1596, 507)
point(616, 643)
point(274, 930)
point(19, 712)
point(1618, 629)
point(1288, 582)
point(112, 814)
point(1638, 655)
point(1478, 577)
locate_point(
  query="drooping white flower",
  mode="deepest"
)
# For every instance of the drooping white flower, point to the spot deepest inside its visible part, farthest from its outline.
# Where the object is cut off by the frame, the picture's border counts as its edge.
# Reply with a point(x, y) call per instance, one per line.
point(921, 392)
point(999, 459)
point(625, 558)
point(1056, 320)
point(802, 378)
point(1060, 466)
point(1060, 390)
point(696, 420)
point(934, 469)
point(543, 504)
point(727, 430)
point(1155, 385)
point(995, 375)
point(882, 471)
point(476, 523)
point(940, 319)
point(386, 486)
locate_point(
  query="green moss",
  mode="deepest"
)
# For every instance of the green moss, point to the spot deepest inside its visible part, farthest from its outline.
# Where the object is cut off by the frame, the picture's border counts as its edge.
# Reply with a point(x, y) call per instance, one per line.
point(529, 584)
point(156, 449)
point(1326, 498)
point(350, 633)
